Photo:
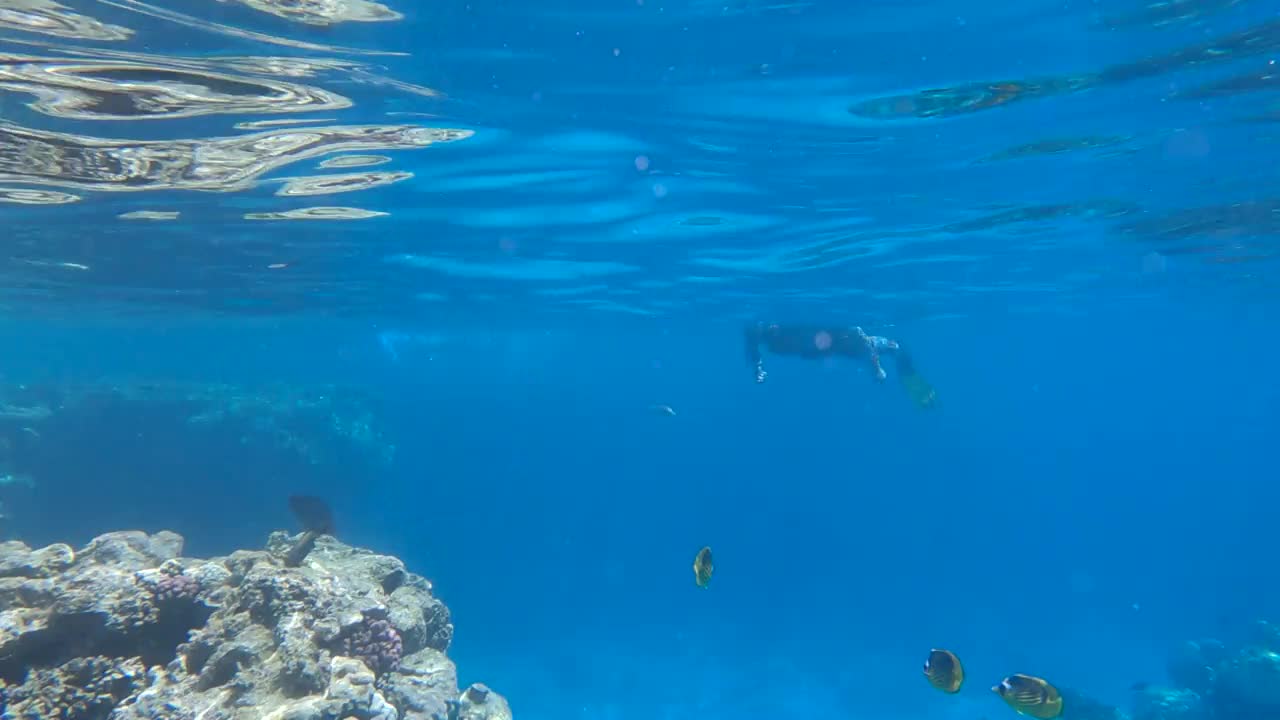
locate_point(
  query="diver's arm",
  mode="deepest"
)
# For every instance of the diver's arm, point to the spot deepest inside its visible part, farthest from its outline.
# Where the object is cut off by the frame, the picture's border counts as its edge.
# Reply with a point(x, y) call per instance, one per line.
point(751, 338)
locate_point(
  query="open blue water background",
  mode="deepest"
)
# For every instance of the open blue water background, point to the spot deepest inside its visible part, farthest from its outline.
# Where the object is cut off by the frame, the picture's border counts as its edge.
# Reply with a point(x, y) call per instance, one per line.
point(1067, 211)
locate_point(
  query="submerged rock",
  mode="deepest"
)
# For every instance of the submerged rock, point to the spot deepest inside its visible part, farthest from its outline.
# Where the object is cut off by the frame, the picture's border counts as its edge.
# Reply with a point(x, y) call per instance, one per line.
point(18, 560)
point(1266, 636)
point(1216, 682)
point(1251, 679)
point(128, 629)
point(1193, 665)
point(1079, 706)
point(1155, 703)
point(478, 702)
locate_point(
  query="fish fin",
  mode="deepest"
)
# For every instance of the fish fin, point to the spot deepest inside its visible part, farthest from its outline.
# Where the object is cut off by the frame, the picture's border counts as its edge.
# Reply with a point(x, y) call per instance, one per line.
point(313, 513)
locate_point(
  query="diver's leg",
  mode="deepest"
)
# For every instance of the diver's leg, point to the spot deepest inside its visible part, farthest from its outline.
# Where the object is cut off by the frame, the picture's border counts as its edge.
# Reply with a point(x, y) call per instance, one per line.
point(753, 336)
point(876, 368)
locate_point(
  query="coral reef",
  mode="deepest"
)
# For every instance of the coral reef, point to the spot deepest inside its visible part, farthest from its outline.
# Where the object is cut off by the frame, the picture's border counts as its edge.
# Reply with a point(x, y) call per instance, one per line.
point(1193, 665)
point(375, 642)
point(55, 435)
point(1156, 703)
point(1210, 681)
point(127, 628)
point(307, 422)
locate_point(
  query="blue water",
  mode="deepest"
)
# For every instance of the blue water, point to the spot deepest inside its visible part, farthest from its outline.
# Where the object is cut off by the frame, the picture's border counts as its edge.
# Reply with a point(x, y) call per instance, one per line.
point(1067, 211)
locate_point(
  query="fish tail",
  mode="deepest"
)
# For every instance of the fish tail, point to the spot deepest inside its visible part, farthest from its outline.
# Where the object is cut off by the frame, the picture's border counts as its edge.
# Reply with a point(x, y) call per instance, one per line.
point(299, 552)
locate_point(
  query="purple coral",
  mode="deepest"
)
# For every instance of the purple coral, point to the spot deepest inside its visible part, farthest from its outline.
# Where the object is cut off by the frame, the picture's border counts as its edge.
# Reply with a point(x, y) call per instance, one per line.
point(376, 642)
point(176, 588)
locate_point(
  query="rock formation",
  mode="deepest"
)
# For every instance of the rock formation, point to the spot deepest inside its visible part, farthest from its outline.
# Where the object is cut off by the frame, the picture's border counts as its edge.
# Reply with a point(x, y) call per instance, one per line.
point(1211, 681)
point(126, 629)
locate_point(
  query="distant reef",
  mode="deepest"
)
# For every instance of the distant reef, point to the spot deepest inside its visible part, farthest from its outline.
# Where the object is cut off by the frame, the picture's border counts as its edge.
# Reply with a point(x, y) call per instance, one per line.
point(1210, 680)
point(1207, 680)
point(53, 433)
point(126, 628)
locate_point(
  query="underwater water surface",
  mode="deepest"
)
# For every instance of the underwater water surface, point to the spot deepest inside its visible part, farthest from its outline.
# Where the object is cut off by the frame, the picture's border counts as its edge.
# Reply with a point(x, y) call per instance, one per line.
point(478, 273)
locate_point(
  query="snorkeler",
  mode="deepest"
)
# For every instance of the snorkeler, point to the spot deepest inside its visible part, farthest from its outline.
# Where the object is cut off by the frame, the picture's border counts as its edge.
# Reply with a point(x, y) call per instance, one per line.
point(813, 342)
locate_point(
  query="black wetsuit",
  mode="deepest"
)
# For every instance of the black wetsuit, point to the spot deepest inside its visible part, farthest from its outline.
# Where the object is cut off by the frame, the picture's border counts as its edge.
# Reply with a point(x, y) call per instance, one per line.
point(815, 342)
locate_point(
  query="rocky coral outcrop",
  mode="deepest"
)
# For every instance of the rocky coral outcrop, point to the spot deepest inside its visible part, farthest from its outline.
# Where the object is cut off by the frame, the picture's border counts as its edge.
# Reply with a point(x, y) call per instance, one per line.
point(129, 629)
point(1193, 665)
point(1156, 703)
point(1252, 679)
point(1211, 681)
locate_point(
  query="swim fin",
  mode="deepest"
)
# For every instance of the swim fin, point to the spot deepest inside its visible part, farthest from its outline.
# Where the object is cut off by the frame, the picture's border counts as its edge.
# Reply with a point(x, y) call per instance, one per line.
point(921, 392)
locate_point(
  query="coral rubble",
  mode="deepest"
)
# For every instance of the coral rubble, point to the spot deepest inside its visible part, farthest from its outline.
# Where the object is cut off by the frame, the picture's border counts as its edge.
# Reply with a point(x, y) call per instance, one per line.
point(127, 628)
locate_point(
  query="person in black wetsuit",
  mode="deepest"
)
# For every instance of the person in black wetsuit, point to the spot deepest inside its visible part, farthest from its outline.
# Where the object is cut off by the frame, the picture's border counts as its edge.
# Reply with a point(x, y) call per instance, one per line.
point(814, 342)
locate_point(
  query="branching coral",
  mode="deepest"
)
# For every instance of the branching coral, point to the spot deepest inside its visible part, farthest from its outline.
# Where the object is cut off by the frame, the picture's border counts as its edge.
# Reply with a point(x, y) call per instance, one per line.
point(374, 641)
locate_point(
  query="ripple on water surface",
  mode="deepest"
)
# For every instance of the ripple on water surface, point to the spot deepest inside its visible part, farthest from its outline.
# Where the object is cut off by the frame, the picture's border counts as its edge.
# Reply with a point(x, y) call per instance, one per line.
point(331, 184)
point(736, 179)
point(51, 18)
point(113, 83)
point(135, 91)
point(21, 196)
point(317, 213)
point(150, 215)
point(213, 164)
point(354, 161)
point(325, 12)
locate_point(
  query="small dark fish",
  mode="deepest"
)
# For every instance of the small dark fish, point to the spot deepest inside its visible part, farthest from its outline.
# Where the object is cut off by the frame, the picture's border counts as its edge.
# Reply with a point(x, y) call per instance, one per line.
point(702, 568)
point(1140, 686)
point(316, 519)
point(944, 671)
point(1030, 696)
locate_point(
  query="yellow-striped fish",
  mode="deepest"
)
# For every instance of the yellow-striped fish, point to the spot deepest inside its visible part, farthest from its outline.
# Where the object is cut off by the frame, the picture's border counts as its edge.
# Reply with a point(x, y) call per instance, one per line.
point(944, 671)
point(702, 568)
point(1030, 696)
